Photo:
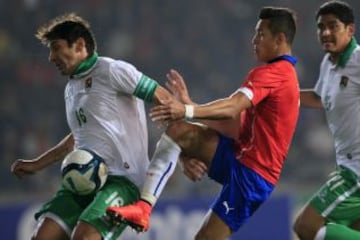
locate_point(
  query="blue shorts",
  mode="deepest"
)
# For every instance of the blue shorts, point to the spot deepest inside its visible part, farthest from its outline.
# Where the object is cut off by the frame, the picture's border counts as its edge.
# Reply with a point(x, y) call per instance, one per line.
point(243, 189)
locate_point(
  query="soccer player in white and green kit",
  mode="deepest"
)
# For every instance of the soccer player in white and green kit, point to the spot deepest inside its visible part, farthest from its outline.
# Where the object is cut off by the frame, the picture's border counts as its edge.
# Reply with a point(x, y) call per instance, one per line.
point(105, 112)
point(333, 213)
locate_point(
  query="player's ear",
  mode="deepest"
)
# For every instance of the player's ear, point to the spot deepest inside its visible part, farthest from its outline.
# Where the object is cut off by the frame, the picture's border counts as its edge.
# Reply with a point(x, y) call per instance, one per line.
point(80, 44)
point(281, 38)
point(351, 28)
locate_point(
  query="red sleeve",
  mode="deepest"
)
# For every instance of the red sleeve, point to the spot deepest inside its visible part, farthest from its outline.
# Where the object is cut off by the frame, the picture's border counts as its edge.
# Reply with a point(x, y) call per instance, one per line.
point(260, 81)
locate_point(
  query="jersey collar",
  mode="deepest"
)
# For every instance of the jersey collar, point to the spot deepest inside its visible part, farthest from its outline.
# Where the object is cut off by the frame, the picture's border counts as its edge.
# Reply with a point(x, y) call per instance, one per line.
point(85, 67)
point(345, 56)
point(288, 58)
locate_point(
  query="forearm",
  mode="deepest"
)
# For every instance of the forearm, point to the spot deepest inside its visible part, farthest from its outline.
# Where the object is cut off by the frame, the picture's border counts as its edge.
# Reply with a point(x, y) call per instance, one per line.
point(217, 110)
point(222, 109)
point(309, 99)
point(57, 153)
point(161, 94)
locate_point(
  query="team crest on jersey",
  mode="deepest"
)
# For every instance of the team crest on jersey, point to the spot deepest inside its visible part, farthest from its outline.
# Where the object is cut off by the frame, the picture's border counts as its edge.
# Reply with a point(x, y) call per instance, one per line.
point(344, 81)
point(88, 83)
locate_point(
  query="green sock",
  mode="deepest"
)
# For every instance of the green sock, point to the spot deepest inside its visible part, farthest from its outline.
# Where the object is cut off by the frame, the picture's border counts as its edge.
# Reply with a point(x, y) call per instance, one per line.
point(340, 232)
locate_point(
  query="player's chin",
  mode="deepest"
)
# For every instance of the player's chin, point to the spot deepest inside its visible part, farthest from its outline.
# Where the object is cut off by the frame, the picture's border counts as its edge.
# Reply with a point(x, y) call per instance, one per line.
point(330, 48)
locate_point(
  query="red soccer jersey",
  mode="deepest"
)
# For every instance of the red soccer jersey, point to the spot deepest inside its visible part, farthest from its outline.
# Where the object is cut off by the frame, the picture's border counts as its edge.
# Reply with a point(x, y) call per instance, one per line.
point(268, 126)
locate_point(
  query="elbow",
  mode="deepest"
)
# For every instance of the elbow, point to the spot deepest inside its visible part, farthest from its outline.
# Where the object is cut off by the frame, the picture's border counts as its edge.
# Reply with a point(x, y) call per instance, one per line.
point(69, 144)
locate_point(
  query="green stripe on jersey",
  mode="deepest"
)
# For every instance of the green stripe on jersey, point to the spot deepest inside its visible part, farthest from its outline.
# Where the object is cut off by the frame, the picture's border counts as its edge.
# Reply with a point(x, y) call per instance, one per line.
point(145, 89)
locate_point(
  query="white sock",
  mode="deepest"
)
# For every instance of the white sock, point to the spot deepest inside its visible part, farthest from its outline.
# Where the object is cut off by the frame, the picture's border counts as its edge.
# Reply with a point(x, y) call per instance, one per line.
point(161, 167)
point(320, 235)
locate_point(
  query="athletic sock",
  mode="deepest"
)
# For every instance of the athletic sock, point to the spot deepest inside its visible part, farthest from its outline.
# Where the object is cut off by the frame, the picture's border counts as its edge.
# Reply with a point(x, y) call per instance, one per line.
point(161, 167)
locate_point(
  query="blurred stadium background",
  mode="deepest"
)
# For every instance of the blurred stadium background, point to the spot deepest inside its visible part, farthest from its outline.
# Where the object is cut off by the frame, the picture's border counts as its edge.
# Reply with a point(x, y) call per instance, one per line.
point(209, 42)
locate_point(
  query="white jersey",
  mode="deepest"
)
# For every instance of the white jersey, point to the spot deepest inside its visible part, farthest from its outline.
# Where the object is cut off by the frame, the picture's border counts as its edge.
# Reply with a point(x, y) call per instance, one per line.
point(339, 88)
point(106, 118)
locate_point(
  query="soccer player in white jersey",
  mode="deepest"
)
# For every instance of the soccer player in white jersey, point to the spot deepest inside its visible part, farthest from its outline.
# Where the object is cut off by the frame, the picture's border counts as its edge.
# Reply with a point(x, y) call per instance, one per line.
point(105, 112)
point(334, 211)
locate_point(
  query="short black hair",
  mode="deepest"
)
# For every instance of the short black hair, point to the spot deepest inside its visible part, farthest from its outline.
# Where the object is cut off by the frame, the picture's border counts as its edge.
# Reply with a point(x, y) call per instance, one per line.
point(69, 27)
point(340, 9)
point(281, 20)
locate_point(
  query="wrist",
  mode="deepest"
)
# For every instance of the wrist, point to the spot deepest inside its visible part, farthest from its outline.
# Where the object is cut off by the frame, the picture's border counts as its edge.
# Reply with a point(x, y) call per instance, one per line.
point(189, 111)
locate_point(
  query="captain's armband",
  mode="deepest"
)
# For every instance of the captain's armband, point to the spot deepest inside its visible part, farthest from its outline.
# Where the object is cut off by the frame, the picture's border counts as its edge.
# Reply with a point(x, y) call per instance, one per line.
point(145, 89)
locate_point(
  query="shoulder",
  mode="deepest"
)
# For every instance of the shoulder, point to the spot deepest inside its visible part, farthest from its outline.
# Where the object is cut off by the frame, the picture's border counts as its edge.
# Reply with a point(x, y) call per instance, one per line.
point(258, 71)
point(325, 62)
point(352, 68)
point(355, 57)
point(115, 64)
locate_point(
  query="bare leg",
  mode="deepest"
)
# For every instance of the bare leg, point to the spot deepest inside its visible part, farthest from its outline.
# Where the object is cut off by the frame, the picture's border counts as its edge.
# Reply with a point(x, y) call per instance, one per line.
point(213, 228)
point(308, 223)
point(85, 231)
point(48, 229)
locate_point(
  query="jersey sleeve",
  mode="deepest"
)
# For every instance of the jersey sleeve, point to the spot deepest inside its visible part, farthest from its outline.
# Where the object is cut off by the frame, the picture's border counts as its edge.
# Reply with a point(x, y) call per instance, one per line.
point(355, 68)
point(124, 77)
point(258, 85)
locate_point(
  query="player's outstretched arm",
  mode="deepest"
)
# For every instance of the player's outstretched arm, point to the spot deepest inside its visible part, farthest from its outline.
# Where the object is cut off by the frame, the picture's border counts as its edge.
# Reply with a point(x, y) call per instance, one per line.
point(177, 86)
point(221, 109)
point(309, 99)
point(22, 167)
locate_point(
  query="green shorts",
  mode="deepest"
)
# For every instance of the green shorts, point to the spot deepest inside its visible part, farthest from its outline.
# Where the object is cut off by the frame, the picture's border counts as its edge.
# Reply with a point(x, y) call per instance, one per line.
point(70, 208)
point(338, 200)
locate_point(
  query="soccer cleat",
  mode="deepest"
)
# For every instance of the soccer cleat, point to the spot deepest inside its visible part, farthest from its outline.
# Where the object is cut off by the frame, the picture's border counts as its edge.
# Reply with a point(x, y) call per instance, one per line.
point(136, 215)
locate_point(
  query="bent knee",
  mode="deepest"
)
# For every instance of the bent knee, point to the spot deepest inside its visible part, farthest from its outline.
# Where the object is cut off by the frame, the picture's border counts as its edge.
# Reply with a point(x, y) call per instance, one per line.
point(177, 128)
point(182, 131)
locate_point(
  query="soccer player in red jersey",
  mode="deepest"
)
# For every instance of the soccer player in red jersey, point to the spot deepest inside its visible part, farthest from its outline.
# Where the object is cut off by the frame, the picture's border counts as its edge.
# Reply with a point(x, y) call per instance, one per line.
point(248, 165)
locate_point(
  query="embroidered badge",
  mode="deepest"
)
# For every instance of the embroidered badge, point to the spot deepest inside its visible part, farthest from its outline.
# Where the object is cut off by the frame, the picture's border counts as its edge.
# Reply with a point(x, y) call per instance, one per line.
point(344, 81)
point(88, 83)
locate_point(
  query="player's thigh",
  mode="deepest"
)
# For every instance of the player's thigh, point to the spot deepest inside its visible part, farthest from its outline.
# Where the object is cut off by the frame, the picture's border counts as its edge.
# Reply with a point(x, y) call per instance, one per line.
point(85, 230)
point(196, 140)
point(213, 227)
point(48, 229)
point(239, 199)
point(355, 225)
point(338, 200)
point(308, 222)
point(64, 209)
point(117, 191)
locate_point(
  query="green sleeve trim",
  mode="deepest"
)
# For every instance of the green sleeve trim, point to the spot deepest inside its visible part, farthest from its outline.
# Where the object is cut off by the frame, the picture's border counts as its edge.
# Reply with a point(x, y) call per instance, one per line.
point(145, 89)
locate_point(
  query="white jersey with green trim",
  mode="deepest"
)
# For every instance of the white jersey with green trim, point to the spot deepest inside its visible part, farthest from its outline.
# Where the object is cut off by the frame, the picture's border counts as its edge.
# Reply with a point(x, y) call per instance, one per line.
point(339, 88)
point(106, 118)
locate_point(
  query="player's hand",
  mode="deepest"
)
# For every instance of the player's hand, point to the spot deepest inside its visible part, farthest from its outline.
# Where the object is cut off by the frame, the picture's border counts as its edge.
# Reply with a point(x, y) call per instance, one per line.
point(177, 86)
point(169, 109)
point(23, 167)
point(193, 168)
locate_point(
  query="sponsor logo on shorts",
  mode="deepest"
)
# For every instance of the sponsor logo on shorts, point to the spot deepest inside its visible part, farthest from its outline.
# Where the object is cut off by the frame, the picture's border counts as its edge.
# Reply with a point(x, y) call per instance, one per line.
point(227, 208)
